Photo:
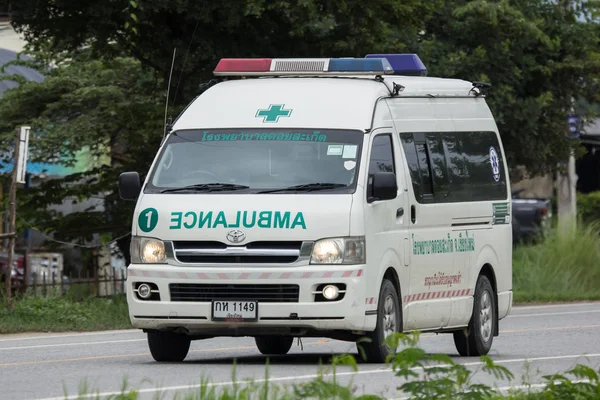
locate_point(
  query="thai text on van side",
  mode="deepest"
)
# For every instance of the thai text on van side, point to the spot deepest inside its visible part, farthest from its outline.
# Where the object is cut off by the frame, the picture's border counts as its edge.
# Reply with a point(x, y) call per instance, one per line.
point(441, 279)
point(461, 244)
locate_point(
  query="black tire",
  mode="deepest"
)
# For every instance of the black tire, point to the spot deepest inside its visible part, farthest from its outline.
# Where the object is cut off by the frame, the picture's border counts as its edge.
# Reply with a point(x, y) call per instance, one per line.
point(168, 346)
point(274, 345)
point(477, 340)
point(375, 351)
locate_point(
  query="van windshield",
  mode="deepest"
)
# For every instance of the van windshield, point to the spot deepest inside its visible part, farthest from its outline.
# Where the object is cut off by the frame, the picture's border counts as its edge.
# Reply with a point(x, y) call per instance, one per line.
point(258, 161)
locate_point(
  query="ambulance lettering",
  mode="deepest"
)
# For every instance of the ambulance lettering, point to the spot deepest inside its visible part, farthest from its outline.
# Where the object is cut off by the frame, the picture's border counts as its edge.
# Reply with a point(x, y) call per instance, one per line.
point(246, 219)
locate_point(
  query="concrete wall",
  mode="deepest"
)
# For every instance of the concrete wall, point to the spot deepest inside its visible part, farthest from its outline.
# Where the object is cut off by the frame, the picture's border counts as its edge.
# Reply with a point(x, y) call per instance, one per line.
point(9, 39)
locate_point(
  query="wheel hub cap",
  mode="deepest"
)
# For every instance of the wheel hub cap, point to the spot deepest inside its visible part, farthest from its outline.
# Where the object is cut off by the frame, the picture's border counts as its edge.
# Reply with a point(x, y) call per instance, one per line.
point(389, 316)
point(485, 316)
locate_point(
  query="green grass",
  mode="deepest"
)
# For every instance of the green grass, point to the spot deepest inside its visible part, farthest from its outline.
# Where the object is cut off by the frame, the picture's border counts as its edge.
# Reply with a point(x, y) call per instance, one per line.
point(57, 313)
point(564, 267)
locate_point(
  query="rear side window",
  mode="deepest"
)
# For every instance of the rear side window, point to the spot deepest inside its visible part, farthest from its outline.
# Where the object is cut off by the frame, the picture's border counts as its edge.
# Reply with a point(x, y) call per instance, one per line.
point(439, 169)
point(455, 166)
point(418, 164)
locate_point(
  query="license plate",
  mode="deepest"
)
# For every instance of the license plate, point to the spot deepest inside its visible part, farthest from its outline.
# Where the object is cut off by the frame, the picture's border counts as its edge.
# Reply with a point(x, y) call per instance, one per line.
point(234, 310)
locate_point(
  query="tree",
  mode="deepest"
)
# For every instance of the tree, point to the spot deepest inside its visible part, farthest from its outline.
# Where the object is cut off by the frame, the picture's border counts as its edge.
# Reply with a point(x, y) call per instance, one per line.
point(535, 54)
point(103, 112)
point(149, 31)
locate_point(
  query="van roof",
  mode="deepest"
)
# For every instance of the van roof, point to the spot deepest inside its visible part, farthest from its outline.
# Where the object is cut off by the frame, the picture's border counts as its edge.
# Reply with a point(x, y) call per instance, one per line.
point(311, 101)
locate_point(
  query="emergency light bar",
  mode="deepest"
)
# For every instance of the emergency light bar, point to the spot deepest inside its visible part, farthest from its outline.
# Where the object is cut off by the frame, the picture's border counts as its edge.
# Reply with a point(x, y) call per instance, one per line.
point(404, 64)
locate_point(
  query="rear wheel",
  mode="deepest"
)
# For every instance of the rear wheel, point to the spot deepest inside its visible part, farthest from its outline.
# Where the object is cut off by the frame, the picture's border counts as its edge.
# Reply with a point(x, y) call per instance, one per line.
point(168, 346)
point(389, 321)
point(479, 335)
point(274, 345)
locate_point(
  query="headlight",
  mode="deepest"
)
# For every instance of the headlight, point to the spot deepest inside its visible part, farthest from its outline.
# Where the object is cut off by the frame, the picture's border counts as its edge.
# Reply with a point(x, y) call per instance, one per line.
point(339, 251)
point(148, 251)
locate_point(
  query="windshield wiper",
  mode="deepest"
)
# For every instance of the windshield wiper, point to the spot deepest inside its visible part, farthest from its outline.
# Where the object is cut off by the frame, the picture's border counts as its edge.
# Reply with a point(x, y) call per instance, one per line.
point(308, 187)
point(207, 187)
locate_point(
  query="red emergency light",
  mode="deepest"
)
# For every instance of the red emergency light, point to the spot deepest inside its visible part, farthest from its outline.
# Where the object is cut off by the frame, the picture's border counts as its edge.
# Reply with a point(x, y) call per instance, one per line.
point(243, 65)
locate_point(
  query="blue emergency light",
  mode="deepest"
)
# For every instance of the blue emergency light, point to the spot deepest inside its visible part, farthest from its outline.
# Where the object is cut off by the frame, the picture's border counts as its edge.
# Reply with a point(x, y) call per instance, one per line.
point(385, 64)
point(403, 64)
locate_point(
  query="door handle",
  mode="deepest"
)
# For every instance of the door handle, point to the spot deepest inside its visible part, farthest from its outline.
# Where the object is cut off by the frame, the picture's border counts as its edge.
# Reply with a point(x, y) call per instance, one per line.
point(399, 212)
point(413, 214)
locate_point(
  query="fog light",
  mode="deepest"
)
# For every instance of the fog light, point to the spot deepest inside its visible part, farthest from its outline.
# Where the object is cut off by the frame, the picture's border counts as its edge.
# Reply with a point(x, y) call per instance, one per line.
point(144, 291)
point(330, 292)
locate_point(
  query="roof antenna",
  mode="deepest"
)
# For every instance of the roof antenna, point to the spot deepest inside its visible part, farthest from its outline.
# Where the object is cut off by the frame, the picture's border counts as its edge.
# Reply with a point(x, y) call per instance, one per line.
point(168, 127)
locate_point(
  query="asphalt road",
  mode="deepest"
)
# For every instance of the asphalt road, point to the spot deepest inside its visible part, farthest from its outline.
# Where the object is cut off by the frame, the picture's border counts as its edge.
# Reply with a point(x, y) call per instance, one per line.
point(550, 339)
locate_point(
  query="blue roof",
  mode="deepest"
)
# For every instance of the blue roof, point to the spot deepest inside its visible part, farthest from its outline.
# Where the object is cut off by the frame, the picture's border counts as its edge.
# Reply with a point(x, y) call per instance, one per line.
point(30, 75)
point(27, 73)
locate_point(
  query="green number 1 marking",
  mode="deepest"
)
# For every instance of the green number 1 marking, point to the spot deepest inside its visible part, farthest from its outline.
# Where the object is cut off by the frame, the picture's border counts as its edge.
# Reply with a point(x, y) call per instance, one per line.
point(148, 219)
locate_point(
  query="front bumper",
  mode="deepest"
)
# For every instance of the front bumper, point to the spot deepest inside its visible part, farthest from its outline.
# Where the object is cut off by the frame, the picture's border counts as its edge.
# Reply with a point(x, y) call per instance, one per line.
point(305, 317)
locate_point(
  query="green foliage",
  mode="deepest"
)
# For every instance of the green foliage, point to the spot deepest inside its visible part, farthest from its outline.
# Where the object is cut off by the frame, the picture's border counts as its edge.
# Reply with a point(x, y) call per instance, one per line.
point(57, 313)
point(425, 376)
point(563, 267)
point(536, 55)
point(438, 376)
point(588, 207)
point(211, 30)
point(102, 116)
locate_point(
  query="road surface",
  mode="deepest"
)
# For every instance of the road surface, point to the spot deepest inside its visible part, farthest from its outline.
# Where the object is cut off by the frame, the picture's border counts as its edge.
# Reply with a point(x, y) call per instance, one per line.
point(40, 366)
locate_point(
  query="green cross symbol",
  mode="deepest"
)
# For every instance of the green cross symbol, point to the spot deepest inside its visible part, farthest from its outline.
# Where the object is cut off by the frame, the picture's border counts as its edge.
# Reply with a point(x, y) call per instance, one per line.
point(273, 113)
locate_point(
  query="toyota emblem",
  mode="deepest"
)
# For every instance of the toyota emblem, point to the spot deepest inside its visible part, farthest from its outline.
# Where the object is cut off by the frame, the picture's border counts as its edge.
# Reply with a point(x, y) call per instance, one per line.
point(236, 236)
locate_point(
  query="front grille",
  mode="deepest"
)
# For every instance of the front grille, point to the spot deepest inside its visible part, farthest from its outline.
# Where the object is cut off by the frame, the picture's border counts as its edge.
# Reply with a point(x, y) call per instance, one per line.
point(237, 259)
point(263, 252)
point(201, 292)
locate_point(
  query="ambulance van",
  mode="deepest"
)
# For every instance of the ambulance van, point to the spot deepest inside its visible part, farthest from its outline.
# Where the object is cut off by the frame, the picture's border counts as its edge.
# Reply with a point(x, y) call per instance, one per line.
point(345, 198)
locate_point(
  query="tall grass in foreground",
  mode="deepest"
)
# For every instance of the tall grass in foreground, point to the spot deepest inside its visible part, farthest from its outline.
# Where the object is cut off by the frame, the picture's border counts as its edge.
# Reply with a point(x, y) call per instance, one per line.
point(418, 376)
point(564, 266)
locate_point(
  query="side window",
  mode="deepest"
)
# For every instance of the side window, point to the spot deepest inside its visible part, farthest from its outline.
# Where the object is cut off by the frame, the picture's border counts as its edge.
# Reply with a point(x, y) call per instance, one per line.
point(410, 154)
point(487, 177)
point(439, 170)
point(419, 166)
point(458, 172)
point(425, 170)
point(382, 157)
point(455, 166)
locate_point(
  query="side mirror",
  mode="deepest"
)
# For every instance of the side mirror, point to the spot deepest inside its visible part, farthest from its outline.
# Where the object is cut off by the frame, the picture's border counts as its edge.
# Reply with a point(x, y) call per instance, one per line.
point(129, 185)
point(384, 186)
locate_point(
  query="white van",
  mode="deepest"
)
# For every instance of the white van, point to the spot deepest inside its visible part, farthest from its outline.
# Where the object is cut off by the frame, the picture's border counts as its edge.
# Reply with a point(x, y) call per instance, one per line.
point(340, 198)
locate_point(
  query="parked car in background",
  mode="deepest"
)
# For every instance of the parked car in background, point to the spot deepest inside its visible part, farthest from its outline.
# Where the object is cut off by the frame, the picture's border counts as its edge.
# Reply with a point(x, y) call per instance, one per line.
point(17, 271)
point(531, 217)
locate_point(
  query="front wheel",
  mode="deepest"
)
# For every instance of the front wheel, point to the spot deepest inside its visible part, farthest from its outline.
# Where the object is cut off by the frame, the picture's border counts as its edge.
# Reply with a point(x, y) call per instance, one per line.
point(389, 321)
point(168, 346)
point(275, 345)
point(479, 335)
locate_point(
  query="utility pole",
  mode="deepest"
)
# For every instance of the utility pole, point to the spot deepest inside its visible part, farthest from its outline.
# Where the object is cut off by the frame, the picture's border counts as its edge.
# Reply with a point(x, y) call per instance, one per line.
point(12, 208)
point(566, 182)
point(566, 194)
point(18, 176)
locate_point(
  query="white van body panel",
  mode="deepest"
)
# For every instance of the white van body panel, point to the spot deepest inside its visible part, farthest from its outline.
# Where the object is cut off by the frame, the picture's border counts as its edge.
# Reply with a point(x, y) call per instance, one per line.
point(393, 240)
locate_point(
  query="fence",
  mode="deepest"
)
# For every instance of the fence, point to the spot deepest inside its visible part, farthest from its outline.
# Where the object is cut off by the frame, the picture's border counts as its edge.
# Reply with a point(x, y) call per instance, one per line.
point(75, 285)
